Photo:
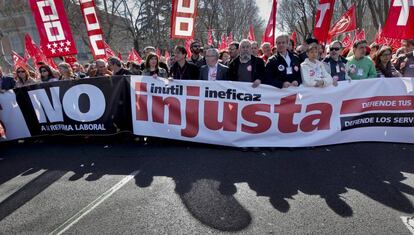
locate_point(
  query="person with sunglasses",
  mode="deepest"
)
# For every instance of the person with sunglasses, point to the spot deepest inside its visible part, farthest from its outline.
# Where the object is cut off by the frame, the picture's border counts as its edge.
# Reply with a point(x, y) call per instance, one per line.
point(23, 78)
point(383, 63)
point(46, 74)
point(196, 57)
point(335, 64)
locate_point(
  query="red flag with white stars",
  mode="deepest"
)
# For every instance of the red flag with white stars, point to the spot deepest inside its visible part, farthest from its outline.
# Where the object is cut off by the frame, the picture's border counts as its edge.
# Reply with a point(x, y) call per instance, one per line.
point(54, 31)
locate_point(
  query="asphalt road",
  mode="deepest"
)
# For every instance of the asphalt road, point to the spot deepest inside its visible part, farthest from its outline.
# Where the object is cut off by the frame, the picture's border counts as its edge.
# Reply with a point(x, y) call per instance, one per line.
point(113, 186)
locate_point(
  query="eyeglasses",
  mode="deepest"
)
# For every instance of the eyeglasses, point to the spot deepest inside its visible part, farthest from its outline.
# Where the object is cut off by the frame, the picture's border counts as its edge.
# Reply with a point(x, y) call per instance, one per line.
point(334, 49)
point(19, 71)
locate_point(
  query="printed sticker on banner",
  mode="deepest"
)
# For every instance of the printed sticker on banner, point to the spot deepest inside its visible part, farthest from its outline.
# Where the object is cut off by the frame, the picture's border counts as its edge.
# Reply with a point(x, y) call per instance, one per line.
point(281, 67)
point(249, 68)
point(352, 68)
point(311, 72)
point(296, 68)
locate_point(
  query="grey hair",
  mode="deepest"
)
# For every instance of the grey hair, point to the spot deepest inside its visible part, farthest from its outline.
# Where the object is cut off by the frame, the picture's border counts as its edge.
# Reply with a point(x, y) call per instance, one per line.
point(215, 51)
point(283, 35)
point(336, 41)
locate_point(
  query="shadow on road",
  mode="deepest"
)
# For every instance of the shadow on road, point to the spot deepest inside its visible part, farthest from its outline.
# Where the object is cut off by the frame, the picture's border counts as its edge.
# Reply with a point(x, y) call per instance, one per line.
point(205, 176)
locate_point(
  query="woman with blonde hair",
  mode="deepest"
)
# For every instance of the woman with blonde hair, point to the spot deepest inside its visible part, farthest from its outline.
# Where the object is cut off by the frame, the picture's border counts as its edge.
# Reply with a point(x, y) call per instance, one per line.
point(23, 77)
point(66, 72)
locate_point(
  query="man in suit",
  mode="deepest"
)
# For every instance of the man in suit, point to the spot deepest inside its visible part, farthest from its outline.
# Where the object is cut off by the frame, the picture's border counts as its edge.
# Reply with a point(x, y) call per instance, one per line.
point(246, 67)
point(6, 83)
point(213, 70)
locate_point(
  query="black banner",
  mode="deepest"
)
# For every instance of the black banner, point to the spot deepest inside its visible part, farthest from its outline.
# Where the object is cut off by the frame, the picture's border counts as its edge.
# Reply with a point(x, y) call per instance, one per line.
point(95, 106)
point(378, 119)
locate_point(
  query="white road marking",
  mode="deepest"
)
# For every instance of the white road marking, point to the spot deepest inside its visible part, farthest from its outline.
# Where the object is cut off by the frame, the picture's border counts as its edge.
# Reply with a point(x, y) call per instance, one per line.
point(13, 185)
point(86, 210)
point(409, 222)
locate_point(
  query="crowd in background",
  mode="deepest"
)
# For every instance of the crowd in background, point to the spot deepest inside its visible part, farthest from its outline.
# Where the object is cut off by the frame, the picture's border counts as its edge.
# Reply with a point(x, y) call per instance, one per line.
point(284, 65)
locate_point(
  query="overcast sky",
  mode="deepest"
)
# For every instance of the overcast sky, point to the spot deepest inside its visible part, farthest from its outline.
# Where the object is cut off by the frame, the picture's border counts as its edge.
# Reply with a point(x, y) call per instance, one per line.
point(265, 7)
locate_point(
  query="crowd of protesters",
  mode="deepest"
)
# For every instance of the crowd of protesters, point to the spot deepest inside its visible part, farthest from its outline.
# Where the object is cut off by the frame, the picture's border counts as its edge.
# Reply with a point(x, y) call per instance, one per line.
point(284, 65)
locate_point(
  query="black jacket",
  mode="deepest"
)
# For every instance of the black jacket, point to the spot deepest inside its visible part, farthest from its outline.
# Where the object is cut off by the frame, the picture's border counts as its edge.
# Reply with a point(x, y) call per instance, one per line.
point(7, 83)
point(258, 69)
point(276, 70)
point(189, 72)
point(123, 71)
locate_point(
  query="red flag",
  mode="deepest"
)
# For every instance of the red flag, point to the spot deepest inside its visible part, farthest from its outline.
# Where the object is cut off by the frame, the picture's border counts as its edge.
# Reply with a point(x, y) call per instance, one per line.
point(183, 17)
point(119, 55)
point(345, 24)
point(347, 41)
point(158, 52)
point(52, 63)
point(70, 59)
point(167, 55)
point(134, 56)
point(269, 34)
point(34, 51)
point(400, 21)
point(108, 51)
point(294, 37)
point(187, 45)
point(210, 37)
point(323, 19)
point(230, 38)
point(19, 61)
point(95, 33)
point(251, 36)
point(223, 44)
point(360, 35)
point(54, 30)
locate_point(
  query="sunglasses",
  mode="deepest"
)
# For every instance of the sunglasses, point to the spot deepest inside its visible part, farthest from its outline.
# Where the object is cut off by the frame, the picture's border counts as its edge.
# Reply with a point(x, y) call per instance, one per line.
point(334, 49)
point(19, 71)
point(43, 71)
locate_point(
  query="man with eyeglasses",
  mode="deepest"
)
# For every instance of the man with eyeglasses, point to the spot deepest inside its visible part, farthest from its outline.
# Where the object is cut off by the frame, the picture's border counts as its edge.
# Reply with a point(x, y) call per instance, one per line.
point(6, 83)
point(335, 64)
point(213, 71)
point(361, 66)
point(196, 57)
point(233, 52)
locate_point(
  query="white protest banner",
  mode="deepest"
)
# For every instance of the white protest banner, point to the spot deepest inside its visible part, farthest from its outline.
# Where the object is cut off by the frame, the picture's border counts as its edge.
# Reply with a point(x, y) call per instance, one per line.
point(235, 114)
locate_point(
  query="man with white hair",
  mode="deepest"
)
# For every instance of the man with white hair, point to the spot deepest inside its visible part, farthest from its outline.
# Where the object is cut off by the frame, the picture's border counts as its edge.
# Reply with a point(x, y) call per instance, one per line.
point(246, 67)
point(213, 70)
point(283, 69)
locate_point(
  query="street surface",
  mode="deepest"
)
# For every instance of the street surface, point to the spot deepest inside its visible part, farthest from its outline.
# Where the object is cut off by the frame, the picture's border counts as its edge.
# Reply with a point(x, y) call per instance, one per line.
point(115, 185)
